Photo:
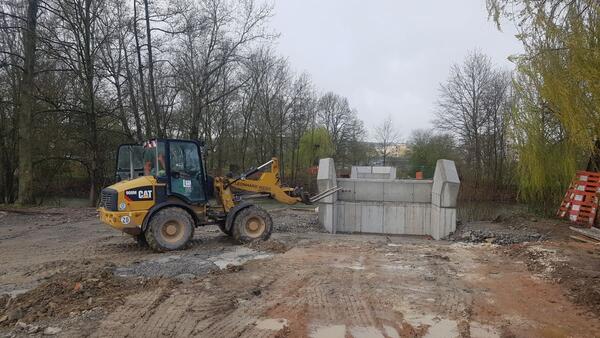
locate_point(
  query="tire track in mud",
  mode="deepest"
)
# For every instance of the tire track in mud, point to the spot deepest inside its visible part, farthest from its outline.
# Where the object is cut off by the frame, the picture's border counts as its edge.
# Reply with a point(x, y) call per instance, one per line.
point(357, 289)
point(125, 320)
point(199, 312)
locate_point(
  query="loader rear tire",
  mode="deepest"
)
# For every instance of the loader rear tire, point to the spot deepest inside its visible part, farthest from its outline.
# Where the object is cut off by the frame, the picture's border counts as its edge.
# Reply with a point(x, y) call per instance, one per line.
point(252, 224)
point(169, 229)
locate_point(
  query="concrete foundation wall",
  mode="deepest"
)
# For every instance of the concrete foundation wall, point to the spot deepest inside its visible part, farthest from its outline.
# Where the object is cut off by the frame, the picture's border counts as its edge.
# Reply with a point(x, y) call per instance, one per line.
point(412, 207)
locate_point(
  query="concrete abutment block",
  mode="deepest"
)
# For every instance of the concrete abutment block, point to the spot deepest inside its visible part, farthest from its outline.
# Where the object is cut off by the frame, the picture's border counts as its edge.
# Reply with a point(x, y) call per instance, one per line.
point(373, 201)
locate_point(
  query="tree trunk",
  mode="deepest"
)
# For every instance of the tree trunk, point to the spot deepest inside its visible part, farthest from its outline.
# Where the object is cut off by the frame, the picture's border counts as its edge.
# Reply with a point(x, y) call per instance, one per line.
point(26, 193)
point(121, 107)
point(132, 98)
point(155, 107)
point(138, 48)
point(91, 105)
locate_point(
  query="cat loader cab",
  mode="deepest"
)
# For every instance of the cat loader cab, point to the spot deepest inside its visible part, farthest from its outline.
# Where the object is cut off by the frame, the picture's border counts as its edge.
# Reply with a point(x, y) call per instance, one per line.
point(162, 193)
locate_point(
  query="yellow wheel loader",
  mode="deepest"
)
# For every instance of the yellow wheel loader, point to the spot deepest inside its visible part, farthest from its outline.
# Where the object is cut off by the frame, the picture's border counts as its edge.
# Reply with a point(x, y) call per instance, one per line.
point(163, 193)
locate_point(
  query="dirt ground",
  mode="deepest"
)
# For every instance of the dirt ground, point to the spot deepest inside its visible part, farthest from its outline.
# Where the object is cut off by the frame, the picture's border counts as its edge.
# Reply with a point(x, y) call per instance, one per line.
point(63, 273)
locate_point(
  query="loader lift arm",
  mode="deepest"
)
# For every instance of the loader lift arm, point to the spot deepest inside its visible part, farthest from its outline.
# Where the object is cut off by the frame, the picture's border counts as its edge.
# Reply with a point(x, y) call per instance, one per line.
point(269, 182)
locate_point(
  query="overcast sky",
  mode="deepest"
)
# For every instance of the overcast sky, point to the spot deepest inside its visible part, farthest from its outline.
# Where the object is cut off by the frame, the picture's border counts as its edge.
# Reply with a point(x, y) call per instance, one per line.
point(387, 56)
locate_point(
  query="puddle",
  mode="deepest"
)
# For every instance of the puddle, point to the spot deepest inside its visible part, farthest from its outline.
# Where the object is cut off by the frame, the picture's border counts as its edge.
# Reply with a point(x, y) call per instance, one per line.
point(394, 244)
point(365, 332)
point(333, 331)
point(479, 330)
point(13, 290)
point(238, 256)
point(438, 327)
point(403, 267)
point(353, 266)
point(391, 332)
point(339, 331)
point(274, 324)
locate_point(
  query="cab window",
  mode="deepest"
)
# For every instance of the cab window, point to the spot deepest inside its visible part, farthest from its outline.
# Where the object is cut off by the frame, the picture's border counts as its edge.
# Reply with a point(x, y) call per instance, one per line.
point(186, 174)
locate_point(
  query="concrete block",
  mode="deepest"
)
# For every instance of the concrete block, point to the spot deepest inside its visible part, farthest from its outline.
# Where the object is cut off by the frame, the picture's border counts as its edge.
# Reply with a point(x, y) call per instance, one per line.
point(422, 191)
point(449, 221)
point(349, 217)
point(416, 217)
point(427, 220)
point(327, 213)
point(371, 217)
point(394, 218)
point(443, 222)
point(368, 190)
point(446, 184)
point(348, 188)
point(434, 227)
point(354, 172)
point(398, 191)
point(367, 172)
point(326, 178)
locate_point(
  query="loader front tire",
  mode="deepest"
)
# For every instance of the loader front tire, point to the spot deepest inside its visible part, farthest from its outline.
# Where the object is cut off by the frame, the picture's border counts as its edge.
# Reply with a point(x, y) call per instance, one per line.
point(170, 229)
point(252, 224)
point(224, 230)
point(141, 240)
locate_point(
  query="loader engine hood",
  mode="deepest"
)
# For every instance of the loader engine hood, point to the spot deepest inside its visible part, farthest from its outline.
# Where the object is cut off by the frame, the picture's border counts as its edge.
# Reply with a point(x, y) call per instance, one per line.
point(132, 195)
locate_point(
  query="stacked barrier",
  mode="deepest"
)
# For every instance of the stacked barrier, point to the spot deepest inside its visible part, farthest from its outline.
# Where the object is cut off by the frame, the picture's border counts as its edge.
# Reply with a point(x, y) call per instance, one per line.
point(580, 203)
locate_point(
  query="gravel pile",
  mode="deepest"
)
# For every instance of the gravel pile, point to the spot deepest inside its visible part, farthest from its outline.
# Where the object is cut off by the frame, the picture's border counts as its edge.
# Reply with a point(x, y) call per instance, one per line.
point(497, 237)
point(168, 267)
point(298, 221)
point(190, 266)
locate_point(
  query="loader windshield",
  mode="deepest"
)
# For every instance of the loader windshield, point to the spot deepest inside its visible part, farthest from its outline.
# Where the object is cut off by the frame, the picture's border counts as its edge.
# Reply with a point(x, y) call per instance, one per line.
point(129, 162)
point(130, 157)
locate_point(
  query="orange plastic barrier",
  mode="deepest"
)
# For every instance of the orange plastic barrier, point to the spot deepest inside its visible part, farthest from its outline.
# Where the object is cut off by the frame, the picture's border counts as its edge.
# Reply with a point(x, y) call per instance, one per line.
point(580, 203)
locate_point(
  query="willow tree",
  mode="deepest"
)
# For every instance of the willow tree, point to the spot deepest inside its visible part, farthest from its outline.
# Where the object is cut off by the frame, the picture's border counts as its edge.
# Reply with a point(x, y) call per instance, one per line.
point(315, 144)
point(558, 117)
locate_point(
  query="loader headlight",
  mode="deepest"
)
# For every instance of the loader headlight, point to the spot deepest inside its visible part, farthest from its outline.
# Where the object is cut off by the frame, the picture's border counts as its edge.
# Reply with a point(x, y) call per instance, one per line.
point(122, 206)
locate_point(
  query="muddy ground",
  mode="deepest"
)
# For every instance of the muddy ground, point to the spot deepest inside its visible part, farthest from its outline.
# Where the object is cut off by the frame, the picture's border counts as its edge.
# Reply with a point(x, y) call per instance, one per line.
point(63, 273)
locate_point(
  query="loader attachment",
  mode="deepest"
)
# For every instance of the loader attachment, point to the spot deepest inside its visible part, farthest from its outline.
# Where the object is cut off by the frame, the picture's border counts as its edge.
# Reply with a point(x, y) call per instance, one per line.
point(324, 194)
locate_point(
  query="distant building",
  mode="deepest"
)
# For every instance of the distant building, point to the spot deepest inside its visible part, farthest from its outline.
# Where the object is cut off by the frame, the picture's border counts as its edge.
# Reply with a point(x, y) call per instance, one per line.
point(396, 150)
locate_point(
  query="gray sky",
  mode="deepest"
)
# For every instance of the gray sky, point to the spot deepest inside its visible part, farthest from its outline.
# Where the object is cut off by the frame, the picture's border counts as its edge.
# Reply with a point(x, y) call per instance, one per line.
point(387, 56)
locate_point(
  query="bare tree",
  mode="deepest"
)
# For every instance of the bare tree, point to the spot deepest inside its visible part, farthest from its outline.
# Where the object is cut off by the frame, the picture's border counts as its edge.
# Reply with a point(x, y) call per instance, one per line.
point(461, 107)
point(473, 106)
point(387, 136)
point(212, 74)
